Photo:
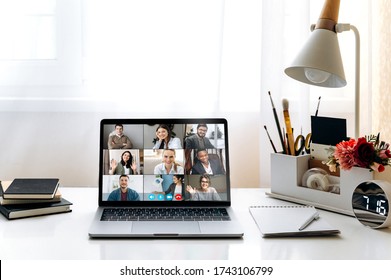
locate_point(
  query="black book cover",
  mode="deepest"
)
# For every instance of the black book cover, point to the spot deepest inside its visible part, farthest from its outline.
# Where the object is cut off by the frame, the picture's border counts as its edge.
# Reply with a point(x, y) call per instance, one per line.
point(30, 188)
point(35, 209)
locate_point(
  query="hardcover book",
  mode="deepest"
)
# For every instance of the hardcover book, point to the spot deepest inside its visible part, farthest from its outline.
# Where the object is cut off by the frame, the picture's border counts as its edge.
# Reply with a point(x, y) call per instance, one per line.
point(36, 209)
point(32, 188)
point(4, 186)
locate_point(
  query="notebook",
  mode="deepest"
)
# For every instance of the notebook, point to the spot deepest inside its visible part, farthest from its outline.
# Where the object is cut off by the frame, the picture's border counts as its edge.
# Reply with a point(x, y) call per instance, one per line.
point(286, 220)
point(35, 209)
point(4, 186)
point(164, 178)
point(32, 188)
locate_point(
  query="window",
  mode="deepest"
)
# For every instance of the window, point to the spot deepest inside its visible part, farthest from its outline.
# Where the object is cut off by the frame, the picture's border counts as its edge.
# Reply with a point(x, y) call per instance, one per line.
point(33, 31)
point(41, 43)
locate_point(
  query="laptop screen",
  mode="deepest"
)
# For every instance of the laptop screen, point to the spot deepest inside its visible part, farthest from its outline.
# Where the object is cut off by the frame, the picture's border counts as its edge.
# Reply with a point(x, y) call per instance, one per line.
point(166, 162)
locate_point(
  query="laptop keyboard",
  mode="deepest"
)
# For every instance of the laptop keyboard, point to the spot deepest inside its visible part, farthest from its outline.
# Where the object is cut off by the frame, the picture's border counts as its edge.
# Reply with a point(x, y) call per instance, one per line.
point(165, 214)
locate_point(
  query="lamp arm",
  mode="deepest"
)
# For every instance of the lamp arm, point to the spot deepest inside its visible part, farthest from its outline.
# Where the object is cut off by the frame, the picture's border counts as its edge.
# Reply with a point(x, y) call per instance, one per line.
point(341, 27)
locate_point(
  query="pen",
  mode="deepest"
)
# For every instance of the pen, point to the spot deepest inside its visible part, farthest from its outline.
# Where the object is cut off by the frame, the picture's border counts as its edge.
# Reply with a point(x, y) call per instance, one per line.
point(313, 217)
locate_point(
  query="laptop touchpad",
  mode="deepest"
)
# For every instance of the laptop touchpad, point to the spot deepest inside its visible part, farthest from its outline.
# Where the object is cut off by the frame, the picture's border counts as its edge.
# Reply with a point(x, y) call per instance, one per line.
point(166, 227)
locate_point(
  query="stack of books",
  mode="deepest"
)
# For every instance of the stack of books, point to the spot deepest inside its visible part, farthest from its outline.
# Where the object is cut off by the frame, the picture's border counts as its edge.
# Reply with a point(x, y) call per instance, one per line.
point(27, 197)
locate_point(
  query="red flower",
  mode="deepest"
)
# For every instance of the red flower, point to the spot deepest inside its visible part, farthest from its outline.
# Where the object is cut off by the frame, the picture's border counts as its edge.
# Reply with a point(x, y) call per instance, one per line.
point(364, 153)
point(384, 154)
point(377, 167)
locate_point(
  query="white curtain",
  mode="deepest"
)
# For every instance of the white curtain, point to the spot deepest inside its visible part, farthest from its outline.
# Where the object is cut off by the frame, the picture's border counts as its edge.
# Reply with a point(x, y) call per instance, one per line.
point(381, 65)
point(163, 55)
point(382, 68)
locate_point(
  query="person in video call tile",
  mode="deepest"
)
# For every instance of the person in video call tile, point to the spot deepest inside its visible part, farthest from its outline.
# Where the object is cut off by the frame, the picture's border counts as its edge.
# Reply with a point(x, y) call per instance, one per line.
point(118, 140)
point(205, 192)
point(165, 140)
point(176, 188)
point(168, 165)
point(199, 141)
point(123, 193)
point(127, 166)
point(205, 165)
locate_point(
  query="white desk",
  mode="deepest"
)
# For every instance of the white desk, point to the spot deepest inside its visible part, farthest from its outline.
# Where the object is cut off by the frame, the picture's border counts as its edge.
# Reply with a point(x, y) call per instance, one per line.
point(65, 236)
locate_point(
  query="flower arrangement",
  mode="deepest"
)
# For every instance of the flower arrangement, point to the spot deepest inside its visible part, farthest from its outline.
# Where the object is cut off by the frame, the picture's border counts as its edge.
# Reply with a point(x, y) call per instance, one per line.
point(367, 152)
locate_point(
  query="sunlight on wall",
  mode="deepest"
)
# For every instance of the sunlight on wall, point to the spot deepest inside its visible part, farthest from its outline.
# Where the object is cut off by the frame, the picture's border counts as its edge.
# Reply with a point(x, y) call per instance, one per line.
point(381, 90)
point(382, 69)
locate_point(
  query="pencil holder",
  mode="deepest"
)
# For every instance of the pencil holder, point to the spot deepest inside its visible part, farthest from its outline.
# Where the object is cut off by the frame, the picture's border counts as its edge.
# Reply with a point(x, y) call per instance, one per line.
point(287, 170)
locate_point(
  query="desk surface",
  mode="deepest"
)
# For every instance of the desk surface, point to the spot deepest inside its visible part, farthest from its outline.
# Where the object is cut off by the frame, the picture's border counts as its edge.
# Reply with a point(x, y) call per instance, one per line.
point(65, 236)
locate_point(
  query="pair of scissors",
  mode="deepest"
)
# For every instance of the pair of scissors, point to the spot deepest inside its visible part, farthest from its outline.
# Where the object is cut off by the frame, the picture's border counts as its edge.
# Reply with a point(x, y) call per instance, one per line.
point(303, 143)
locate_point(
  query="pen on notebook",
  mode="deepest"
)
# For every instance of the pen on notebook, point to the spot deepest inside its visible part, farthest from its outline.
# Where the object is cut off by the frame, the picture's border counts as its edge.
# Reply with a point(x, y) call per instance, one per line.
point(313, 217)
point(317, 108)
point(271, 142)
point(278, 124)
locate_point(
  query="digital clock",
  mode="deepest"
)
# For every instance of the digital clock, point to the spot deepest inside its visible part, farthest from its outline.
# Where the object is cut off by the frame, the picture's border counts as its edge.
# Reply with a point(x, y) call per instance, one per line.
point(370, 203)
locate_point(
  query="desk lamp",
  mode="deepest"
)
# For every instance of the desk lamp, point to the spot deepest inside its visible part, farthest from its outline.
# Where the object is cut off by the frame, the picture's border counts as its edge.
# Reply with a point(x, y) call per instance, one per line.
point(319, 63)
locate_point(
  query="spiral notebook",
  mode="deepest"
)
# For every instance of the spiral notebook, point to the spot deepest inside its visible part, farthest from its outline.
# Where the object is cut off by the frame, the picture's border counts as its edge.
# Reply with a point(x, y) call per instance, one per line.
point(282, 221)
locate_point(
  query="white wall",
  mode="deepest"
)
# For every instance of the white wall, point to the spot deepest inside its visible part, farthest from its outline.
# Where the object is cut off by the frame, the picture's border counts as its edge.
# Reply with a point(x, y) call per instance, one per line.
point(66, 145)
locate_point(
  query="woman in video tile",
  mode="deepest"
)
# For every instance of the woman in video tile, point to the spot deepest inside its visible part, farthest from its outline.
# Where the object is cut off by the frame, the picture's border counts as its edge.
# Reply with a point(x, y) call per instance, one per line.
point(205, 191)
point(127, 165)
point(165, 139)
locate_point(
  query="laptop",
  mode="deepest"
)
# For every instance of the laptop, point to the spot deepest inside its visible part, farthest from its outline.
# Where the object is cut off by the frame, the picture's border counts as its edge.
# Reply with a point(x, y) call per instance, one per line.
point(164, 178)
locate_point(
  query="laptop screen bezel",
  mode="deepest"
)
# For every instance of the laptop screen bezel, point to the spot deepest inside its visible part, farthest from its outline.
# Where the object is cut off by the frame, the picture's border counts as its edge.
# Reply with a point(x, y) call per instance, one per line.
point(154, 121)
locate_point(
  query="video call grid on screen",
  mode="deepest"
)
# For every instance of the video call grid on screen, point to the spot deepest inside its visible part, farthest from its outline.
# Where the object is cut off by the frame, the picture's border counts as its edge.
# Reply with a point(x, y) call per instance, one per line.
point(158, 174)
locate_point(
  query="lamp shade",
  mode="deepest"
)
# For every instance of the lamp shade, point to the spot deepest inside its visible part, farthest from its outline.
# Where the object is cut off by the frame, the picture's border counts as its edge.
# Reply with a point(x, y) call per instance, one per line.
point(319, 63)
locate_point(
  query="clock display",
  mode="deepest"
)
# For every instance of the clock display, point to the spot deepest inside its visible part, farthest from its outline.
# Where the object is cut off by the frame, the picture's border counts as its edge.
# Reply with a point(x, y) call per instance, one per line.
point(370, 204)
